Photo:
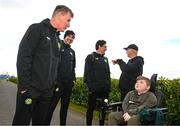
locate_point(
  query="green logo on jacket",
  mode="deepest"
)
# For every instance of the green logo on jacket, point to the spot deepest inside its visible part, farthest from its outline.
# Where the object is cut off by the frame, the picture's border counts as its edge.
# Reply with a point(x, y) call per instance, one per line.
point(28, 101)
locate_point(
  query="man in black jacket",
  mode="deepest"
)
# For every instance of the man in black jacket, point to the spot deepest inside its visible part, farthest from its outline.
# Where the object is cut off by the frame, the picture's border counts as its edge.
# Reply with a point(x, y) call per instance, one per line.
point(37, 64)
point(97, 77)
point(65, 79)
point(130, 70)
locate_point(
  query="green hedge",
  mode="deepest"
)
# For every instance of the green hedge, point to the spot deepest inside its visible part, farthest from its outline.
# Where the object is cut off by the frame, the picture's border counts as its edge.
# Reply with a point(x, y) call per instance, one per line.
point(171, 89)
point(80, 93)
point(13, 79)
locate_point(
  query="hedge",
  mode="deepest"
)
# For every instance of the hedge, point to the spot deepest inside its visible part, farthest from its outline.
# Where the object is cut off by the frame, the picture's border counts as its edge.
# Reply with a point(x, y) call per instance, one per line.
point(171, 89)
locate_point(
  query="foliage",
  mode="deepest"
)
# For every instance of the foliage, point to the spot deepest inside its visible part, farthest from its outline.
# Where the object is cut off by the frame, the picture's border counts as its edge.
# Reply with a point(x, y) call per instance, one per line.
point(13, 79)
point(115, 93)
point(171, 89)
point(80, 92)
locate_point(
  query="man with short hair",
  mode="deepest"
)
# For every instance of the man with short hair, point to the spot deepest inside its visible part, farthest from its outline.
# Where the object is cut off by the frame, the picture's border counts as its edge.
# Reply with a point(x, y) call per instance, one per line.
point(130, 70)
point(65, 79)
point(134, 102)
point(97, 77)
point(37, 63)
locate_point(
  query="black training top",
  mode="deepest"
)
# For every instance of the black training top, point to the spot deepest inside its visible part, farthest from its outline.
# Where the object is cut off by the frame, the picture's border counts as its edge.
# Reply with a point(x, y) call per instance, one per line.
point(97, 73)
point(66, 70)
point(38, 57)
point(130, 71)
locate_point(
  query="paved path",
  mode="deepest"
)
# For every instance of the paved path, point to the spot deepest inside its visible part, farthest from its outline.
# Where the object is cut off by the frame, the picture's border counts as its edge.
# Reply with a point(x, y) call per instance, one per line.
point(8, 103)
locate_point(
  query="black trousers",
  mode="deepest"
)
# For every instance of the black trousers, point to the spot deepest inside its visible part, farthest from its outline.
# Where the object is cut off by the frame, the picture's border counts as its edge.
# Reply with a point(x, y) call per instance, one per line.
point(62, 91)
point(92, 104)
point(35, 111)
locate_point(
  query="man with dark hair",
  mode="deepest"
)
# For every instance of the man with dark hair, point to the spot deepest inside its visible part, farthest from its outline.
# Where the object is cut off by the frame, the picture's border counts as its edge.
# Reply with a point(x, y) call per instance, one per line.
point(37, 64)
point(97, 77)
point(65, 79)
point(134, 102)
point(130, 70)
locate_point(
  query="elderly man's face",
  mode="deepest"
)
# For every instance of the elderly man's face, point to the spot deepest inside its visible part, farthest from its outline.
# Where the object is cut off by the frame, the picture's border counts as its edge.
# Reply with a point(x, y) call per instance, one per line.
point(63, 21)
point(131, 52)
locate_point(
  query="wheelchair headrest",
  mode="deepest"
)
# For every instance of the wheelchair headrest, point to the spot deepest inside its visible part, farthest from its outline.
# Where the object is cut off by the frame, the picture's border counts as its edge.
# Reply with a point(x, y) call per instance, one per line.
point(153, 82)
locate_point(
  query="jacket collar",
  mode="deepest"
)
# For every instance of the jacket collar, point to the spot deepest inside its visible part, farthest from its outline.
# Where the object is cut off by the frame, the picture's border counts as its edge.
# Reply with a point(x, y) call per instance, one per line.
point(98, 55)
point(48, 24)
point(66, 45)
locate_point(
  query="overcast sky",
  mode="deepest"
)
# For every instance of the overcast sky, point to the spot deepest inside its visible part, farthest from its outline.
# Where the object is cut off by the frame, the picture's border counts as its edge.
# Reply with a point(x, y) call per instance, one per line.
point(154, 25)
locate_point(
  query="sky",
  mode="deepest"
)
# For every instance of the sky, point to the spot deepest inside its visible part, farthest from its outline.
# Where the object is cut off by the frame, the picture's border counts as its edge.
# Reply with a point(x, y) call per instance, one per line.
point(153, 25)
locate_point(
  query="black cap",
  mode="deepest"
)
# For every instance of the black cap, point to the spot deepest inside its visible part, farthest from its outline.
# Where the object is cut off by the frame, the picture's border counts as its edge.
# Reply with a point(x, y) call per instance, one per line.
point(69, 32)
point(132, 46)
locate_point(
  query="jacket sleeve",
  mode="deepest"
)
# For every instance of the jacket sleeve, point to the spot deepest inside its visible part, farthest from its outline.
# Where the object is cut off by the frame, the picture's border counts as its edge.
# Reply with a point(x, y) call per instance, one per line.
point(26, 51)
point(74, 66)
point(109, 73)
point(88, 71)
point(122, 64)
point(130, 66)
point(126, 102)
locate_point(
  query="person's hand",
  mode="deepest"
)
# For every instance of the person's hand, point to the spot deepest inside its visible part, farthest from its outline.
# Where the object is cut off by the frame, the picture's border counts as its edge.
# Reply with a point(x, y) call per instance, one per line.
point(114, 62)
point(126, 117)
point(24, 91)
point(74, 81)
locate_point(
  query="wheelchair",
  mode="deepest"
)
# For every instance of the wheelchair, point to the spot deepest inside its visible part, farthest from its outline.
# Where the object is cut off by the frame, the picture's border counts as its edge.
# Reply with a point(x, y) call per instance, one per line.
point(152, 119)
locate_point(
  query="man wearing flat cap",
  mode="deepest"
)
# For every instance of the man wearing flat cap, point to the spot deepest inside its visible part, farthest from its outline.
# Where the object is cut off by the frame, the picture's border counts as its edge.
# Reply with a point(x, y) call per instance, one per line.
point(130, 70)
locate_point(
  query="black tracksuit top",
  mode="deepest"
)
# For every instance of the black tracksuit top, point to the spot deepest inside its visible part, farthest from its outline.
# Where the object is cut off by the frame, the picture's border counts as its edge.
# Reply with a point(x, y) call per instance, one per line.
point(38, 57)
point(130, 71)
point(97, 73)
point(66, 69)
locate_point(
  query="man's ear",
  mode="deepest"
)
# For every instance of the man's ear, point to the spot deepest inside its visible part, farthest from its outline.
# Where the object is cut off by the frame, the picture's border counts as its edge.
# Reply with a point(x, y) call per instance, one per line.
point(148, 87)
point(98, 47)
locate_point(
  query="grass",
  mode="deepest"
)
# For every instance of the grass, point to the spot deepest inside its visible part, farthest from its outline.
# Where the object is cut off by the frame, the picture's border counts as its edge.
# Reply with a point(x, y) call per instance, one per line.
point(82, 110)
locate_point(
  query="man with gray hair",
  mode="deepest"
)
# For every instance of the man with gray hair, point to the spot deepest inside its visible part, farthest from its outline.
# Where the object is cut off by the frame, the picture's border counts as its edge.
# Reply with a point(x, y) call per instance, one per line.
point(130, 70)
point(37, 64)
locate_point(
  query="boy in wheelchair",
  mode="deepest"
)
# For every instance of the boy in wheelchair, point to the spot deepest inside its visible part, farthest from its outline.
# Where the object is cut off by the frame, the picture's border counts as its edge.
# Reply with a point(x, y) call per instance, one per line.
point(134, 102)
